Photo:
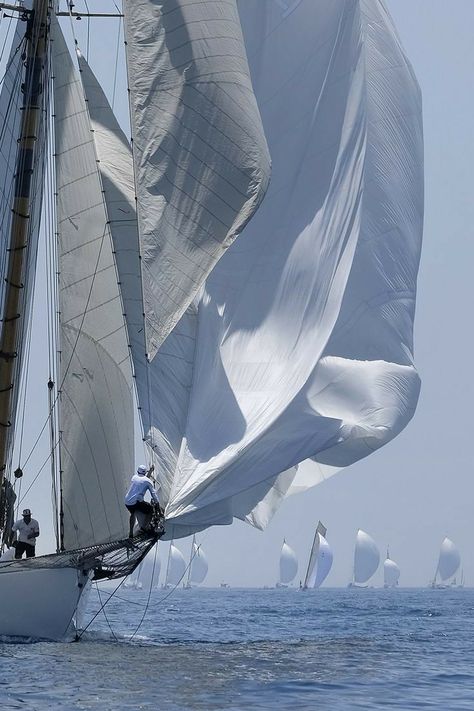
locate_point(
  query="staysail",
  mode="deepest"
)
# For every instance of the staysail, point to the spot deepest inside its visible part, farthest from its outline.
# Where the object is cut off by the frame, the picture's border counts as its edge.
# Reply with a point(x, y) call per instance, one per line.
point(366, 557)
point(288, 564)
point(449, 559)
point(95, 406)
point(300, 346)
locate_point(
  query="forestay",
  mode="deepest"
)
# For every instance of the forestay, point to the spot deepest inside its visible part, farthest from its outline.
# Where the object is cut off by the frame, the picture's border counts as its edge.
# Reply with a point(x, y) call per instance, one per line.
point(301, 343)
point(96, 412)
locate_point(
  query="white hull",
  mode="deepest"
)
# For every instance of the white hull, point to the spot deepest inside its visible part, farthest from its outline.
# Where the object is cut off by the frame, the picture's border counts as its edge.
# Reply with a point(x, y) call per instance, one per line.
point(40, 603)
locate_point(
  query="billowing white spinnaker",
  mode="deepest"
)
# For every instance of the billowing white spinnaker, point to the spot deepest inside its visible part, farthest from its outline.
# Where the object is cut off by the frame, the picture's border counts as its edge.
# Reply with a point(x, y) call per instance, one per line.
point(201, 160)
point(288, 564)
point(301, 343)
point(449, 559)
point(366, 557)
point(391, 573)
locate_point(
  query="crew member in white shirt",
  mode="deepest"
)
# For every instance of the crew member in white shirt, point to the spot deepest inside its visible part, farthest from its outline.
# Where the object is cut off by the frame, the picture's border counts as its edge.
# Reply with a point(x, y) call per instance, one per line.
point(134, 498)
point(28, 532)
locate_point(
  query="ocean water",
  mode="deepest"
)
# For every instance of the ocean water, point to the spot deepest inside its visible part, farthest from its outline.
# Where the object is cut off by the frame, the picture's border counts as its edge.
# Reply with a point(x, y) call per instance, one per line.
point(255, 649)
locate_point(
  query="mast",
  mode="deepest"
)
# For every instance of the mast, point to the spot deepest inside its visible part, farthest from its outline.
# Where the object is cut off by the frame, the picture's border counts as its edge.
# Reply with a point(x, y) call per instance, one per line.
point(11, 315)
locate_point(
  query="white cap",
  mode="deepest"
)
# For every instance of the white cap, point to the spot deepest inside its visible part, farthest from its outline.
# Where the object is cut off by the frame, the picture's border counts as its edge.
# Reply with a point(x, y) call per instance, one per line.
point(142, 469)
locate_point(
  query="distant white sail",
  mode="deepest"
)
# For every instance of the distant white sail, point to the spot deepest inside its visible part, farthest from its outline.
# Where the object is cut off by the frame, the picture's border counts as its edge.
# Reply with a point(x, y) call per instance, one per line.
point(288, 564)
point(449, 559)
point(391, 573)
point(366, 557)
point(320, 559)
point(149, 570)
point(176, 566)
point(324, 564)
point(199, 566)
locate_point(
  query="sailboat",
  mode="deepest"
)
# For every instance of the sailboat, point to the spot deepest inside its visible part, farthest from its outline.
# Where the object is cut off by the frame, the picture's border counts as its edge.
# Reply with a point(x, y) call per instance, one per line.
point(366, 559)
point(288, 565)
point(320, 559)
point(175, 567)
point(449, 562)
point(391, 572)
point(197, 566)
point(258, 324)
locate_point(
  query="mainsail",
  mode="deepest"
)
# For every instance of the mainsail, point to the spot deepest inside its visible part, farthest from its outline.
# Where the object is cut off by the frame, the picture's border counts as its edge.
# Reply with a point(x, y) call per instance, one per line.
point(300, 345)
point(288, 564)
point(366, 557)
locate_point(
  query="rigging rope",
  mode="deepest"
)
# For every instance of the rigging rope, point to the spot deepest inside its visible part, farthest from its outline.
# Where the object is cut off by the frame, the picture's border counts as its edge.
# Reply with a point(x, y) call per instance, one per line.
point(132, 602)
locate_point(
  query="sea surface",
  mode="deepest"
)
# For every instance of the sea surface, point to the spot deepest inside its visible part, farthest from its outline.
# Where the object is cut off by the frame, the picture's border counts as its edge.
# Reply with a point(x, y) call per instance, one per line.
point(255, 649)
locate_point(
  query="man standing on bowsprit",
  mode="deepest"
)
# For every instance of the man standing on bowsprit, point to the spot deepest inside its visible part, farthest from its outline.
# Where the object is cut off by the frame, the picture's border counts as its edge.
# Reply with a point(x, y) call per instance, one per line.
point(28, 532)
point(134, 498)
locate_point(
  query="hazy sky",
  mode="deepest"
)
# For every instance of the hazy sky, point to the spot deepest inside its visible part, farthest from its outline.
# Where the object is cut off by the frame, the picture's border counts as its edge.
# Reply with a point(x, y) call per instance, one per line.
point(418, 488)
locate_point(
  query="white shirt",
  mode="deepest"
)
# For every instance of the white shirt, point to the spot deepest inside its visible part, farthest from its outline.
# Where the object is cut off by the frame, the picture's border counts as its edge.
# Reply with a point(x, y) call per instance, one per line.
point(25, 529)
point(139, 485)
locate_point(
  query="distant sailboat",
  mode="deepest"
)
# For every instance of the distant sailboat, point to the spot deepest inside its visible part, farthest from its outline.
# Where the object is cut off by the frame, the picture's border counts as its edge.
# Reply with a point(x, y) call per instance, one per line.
point(288, 565)
point(391, 573)
point(198, 567)
point(175, 568)
point(448, 565)
point(366, 559)
point(320, 559)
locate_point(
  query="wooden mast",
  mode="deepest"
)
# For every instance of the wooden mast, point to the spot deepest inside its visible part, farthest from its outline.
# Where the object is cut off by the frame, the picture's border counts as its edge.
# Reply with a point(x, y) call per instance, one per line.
point(12, 312)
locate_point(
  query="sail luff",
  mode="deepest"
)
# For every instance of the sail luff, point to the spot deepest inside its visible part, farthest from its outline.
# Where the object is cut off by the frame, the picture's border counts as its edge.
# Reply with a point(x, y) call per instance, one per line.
point(16, 277)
